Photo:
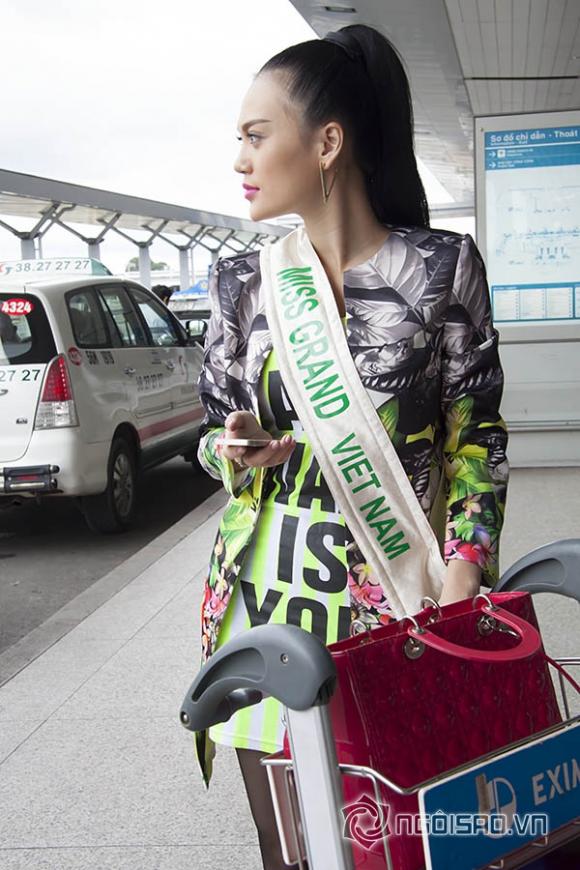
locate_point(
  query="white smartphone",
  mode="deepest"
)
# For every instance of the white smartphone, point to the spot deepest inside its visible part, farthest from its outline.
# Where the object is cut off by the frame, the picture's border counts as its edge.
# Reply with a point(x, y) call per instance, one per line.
point(243, 442)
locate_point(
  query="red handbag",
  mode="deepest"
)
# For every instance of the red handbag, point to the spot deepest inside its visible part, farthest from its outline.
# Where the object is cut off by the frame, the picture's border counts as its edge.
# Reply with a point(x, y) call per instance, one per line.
point(414, 701)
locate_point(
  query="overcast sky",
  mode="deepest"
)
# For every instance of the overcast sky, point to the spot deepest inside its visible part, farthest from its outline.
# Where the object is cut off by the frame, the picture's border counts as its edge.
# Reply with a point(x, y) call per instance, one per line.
point(134, 96)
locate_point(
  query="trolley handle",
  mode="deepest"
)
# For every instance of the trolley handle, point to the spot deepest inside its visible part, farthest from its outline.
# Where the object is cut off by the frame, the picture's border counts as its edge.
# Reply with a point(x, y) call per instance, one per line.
point(284, 661)
point(552, 567)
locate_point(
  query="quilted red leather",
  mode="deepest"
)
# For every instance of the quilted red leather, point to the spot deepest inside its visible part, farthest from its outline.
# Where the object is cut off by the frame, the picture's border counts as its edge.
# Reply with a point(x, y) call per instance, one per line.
point(413, 719)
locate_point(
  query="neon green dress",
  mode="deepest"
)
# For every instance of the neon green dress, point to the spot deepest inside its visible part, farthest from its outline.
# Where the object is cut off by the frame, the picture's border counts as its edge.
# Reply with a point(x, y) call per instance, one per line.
point(295, 570)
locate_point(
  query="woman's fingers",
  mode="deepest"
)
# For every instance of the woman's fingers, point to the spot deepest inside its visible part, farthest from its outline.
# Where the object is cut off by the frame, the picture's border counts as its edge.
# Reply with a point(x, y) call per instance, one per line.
point(242, 424)
point(233, 452)
point(275, 453)
point(237, 419)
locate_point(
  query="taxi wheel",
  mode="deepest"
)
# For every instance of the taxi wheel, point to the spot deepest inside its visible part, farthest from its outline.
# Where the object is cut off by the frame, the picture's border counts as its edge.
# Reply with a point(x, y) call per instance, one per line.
point(114, 509)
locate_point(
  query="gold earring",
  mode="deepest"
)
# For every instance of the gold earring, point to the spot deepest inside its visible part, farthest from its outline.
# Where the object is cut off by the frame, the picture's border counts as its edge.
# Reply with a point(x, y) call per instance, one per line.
point(326, 192)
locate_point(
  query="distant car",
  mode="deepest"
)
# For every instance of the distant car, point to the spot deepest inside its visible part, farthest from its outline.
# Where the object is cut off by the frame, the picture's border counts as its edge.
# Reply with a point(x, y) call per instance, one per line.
point(186, 304)
point(98, 380)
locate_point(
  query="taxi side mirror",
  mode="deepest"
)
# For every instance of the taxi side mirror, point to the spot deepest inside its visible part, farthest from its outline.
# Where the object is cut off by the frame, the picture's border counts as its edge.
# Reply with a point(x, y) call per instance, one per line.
point(196, 330)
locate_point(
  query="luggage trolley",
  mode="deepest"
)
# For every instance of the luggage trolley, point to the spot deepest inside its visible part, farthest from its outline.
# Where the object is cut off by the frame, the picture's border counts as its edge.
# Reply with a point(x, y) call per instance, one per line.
point(296, 668)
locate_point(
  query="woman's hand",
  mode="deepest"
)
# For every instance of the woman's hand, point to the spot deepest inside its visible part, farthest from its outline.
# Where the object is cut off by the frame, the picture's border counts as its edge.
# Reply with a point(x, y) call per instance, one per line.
point(462, 580)
point(243, 424)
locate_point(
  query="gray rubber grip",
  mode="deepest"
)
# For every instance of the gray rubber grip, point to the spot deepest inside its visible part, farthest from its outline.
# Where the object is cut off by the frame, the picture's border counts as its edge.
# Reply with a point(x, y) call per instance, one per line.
point(552, 568)
point(284, 661)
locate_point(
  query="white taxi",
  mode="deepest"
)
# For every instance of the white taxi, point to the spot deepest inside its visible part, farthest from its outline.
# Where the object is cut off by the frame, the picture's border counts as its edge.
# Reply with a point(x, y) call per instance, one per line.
point(98, 380)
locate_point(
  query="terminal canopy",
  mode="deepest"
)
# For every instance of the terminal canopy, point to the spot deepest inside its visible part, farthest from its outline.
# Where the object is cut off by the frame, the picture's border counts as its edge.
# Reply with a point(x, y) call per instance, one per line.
point(46, 203)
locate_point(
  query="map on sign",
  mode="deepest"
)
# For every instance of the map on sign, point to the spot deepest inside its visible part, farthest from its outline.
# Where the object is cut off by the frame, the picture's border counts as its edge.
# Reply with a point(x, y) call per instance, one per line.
point(532, 194)
point(29, 269)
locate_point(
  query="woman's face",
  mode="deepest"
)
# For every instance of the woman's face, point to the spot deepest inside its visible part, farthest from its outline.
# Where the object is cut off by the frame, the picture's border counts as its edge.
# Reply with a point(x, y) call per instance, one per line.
point(276, 157)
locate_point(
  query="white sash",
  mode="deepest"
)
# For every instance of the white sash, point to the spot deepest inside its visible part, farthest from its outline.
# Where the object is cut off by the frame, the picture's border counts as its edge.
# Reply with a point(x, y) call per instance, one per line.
point(355, 454)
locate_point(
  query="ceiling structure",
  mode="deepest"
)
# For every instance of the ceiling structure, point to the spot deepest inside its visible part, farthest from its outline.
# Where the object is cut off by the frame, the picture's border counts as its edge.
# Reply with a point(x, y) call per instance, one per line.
point(469, 58)
point(90, 214)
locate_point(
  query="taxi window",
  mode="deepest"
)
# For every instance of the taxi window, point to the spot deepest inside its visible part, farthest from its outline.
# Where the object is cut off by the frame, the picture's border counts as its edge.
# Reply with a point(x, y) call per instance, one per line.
point(87, 320)
point(25, 333)
point(124, 316)
point(159, 322)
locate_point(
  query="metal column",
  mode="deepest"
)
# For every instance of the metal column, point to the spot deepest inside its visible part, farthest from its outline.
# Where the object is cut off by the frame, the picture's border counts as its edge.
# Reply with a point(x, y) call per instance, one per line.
point(95, 250)
point(27, 249)
point(145, 265)
point(184, 274)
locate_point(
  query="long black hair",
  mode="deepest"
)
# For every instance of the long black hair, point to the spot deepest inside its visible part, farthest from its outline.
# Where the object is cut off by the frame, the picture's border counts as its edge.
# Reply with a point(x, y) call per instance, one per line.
point(355, 76)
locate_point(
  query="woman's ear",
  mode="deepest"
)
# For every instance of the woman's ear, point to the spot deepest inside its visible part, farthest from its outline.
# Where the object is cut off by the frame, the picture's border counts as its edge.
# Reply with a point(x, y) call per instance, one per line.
point(332, 143)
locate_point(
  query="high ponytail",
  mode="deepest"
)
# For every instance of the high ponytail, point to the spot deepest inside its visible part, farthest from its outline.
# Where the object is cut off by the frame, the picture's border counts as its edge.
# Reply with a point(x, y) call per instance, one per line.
point(356, 76)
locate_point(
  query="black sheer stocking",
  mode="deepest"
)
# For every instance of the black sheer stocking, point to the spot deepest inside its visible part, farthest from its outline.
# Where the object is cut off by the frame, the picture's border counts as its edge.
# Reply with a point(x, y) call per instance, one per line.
point(258, 791)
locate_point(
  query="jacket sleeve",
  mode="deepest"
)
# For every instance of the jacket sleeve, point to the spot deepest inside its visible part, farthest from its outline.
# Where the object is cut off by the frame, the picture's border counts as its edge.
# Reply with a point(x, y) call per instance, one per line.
point(213, 395)
point(475, 463)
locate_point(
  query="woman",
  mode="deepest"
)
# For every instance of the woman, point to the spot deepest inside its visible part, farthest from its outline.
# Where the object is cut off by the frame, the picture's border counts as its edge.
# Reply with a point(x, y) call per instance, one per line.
point(326, 133)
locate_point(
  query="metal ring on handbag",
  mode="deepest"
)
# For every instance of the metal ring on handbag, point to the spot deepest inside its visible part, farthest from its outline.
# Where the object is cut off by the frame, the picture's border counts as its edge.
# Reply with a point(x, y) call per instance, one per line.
point(416, 625)
point(490, 604)
point(486, 625)
point(434, 617)
point(413, 648)
point(357, 626)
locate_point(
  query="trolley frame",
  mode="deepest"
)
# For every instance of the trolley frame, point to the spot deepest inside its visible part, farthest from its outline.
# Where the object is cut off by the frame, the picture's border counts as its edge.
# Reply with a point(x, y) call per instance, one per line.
point(296, 793)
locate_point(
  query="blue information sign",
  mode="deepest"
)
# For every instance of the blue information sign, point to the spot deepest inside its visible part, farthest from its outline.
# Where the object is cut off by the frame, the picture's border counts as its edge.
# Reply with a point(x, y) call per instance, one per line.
point(532, 196)
point(474, 818)
point(515, 149)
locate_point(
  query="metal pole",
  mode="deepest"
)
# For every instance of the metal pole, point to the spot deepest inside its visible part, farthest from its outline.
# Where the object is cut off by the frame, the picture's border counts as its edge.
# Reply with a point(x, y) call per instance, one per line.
point(319, 787)
point(27, 249)
point(145, 265)
point(192, 261)
point(184, 274)
point(95, 250)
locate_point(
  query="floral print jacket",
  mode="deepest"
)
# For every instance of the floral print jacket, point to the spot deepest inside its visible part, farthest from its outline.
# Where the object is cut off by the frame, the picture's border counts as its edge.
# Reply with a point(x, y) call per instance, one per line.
point(420, 331)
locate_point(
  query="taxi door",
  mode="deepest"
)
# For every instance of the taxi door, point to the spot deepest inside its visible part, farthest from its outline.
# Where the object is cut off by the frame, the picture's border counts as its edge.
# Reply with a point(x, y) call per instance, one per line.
point(181, 363)
point(160, 380)
point(132, 357)
point(96, 363)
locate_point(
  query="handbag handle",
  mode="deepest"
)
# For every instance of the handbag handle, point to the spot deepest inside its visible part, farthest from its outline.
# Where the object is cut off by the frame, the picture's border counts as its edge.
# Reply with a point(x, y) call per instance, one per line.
point(530, 640)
